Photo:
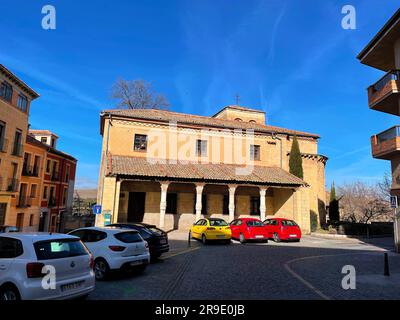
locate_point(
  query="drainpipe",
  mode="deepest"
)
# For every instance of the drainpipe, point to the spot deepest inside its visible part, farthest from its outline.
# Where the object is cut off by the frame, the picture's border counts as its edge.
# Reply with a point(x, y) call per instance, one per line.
point(275, 137)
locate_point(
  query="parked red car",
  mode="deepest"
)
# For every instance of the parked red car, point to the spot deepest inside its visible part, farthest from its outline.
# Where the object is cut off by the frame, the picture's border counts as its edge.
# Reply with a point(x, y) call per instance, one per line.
point(246, 229)
point(282, 229)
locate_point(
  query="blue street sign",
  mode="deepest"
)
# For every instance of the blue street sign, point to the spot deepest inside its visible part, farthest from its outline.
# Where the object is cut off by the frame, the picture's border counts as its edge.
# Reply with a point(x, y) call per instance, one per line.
point(96, 209)
point(107, 219)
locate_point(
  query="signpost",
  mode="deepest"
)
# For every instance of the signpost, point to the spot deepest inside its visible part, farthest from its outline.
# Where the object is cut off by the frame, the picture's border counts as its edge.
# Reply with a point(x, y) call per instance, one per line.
point(107, 218)
point(96, 209)
point(393, 202)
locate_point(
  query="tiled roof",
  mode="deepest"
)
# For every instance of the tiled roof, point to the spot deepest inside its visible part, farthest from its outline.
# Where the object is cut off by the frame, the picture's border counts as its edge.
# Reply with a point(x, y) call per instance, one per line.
point(141, 167)
point(183, 118)
point(44, 132)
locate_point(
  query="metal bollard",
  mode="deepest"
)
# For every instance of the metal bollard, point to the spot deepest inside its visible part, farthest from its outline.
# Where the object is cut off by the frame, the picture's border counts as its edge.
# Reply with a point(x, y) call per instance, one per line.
point(189, 243)
point(386, 272)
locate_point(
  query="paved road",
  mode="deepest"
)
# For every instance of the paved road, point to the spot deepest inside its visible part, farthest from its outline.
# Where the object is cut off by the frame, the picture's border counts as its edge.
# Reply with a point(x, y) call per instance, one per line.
point(310, 269)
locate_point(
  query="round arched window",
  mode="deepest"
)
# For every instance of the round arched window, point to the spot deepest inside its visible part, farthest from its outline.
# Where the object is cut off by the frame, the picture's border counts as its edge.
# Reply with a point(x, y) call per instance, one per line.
point(252, 121)
point(238, 119)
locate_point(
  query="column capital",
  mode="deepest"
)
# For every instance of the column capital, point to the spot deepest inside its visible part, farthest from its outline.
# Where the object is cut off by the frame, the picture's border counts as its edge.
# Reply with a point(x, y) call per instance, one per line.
point(200, 187)
point(232, 187)
point(263, 191)
point(164, 185)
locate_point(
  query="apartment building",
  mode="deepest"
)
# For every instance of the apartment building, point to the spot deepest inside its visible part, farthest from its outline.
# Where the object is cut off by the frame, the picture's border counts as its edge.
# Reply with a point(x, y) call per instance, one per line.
point(170, 169)
point(58, 183)
point(15, 100)
point(383, 53)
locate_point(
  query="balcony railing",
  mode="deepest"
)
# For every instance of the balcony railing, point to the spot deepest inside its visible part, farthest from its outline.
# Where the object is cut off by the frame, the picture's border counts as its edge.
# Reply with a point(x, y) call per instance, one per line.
point(17, 150)
point(3, 145)
point(24, 202)
point(30, 171)
point(382, 95)
point(386, 144)
point(12, 185)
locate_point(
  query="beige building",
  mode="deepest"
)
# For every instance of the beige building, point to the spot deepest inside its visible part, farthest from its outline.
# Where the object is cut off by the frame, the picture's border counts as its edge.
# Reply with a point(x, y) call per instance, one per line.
point(171, 169)
point(15, 99)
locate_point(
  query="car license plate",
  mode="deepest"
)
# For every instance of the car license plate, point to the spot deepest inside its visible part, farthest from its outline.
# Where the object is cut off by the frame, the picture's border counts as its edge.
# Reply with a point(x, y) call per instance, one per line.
point(259, 236)
point(220, 236)
point(72, 286)
point(135, 263)
point(293, 235)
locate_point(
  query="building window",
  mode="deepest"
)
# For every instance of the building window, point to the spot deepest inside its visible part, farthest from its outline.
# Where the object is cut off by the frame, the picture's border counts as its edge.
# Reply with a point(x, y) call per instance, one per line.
point(67, 173)
point(254, 152)
point(255, 206)
point(20, 221)
point(172, 203)
point(252, 121)
point(64, 201)
point(3, 208)
point(6, 91)
point(48, 165)
point(2, 136)
point(140, 143)
point(45, 192)
point(43, 140)
point(33, 190)
point(17, 149)
point(238, 119)
point(22, 102)
point(53, 142)
point(201, 148)
point(31, 220)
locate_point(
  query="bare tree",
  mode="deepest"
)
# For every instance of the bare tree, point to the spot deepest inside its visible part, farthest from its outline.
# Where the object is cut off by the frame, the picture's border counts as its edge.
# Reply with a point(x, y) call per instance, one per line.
point(364, 203)
point(137, 94)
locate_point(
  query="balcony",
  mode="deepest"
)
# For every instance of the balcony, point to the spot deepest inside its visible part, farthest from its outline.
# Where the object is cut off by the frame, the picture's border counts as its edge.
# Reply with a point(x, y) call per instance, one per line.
point(30, 171)
point(3, 145)
point(24, 202)
point(384, 95)
point(17, 150)
point(386, 144)
point(12, 185)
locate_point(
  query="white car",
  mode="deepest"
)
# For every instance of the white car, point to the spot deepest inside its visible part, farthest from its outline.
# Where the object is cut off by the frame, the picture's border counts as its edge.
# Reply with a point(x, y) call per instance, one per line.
point(23, 256)
point(114, 249)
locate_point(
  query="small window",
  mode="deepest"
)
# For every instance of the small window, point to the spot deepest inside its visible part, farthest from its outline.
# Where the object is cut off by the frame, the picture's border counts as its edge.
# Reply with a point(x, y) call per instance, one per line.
point(48, 165)
point(254, 152)
point(140, 143)
point(252, 121)
point(43, 140)
point(238, 119)
point(254, 223)
point(31, 217)
point(201, 148)
point(218, 223)
point(172, 201)
point(94, 236)
point(10, 248)
point(22, 102)
point(6, 91)
point(33, 190)
point(45, 192)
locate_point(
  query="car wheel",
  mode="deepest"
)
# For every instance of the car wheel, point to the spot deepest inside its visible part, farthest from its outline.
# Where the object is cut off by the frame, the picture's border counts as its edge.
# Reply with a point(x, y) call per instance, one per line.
point(9, 293)
point(101, 269)
point(241, 238)
point(204, 239)
point(276, 237)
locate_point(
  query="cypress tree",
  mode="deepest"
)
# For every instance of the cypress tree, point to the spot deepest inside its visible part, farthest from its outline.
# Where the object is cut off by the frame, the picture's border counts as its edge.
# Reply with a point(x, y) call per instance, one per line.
point(295, 161)
point(334, 214)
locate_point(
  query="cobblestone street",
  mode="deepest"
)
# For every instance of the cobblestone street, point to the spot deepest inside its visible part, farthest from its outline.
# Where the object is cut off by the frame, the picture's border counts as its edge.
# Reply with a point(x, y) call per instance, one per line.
point(310, 269)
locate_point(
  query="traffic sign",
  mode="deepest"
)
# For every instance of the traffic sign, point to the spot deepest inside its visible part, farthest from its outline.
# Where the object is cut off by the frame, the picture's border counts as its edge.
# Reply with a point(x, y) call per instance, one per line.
point(96, 209)
point(393, 202)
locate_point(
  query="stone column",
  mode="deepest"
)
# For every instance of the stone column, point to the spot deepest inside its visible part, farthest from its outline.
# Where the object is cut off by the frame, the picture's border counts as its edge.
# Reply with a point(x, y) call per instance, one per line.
point(232, 190)
point(263, 192)
point(163, 202)
point(199, 194)
point(116, 203)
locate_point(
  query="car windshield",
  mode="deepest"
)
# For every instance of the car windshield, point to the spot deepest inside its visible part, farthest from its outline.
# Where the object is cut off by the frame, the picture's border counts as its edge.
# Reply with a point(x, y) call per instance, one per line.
point(254, 223)
point(58, 249)
point(289, 223)
point(218, 223)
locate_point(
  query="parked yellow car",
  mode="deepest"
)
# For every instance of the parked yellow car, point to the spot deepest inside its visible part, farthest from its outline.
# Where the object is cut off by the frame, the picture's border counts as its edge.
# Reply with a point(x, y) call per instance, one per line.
point(211, 229)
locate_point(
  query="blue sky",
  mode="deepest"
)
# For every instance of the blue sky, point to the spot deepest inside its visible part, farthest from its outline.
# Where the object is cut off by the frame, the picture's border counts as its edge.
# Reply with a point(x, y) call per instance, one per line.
point(290, 58)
